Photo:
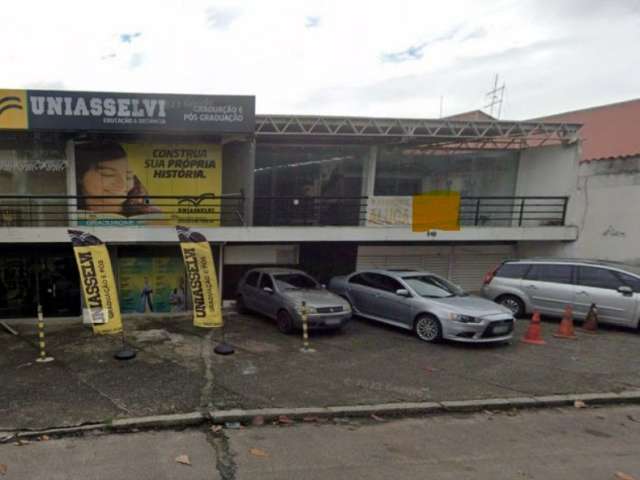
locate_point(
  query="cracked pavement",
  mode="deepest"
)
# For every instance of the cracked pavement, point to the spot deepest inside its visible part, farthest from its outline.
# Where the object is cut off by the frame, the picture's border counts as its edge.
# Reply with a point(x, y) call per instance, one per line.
point(176, 370)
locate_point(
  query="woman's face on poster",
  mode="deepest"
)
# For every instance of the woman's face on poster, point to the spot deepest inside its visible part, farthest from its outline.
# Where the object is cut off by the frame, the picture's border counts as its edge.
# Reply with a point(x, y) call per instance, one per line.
point(111, 178)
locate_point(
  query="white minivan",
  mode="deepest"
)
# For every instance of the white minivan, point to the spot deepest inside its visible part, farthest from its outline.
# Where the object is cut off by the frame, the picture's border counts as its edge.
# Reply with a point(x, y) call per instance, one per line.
point(549, 285)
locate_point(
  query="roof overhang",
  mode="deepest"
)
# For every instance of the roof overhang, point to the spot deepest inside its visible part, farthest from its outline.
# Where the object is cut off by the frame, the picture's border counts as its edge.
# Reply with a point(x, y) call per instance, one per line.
point(437, 134)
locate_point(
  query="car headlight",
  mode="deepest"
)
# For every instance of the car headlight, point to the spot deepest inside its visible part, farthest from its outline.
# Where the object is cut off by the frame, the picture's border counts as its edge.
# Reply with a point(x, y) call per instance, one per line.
point(456, 317)
point(309, 308)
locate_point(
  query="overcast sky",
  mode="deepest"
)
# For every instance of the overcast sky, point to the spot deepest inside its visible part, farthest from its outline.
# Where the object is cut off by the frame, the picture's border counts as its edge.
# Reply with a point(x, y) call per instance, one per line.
point(342, 57)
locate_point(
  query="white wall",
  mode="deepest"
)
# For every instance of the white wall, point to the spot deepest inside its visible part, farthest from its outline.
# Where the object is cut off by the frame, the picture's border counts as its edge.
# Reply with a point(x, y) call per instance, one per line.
point(605, 207)
point(549, 171)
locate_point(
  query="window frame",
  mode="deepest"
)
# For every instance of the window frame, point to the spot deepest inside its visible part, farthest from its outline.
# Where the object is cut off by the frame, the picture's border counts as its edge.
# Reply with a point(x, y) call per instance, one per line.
point(527, 267)
point(257, 274)
point(621, 275)
point(597, 268)
point(572, 273)
point(268, 276)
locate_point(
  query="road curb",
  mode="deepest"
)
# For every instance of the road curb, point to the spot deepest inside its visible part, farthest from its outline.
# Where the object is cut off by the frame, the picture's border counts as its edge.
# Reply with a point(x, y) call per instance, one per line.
point(401, 409)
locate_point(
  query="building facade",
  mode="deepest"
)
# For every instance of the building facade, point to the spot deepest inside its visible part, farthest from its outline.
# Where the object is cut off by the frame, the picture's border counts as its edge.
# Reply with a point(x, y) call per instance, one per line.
point(325, 194)
point(603, 186)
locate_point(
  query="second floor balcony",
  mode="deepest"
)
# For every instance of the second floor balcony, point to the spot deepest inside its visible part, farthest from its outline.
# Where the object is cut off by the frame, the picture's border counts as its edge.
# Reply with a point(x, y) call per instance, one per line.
point(294, 211)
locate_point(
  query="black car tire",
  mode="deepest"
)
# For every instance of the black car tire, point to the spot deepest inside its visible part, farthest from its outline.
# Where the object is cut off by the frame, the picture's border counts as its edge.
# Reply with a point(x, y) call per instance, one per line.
point(428, 328)
point(240, 305)
point(284, 322)
point(513, 303)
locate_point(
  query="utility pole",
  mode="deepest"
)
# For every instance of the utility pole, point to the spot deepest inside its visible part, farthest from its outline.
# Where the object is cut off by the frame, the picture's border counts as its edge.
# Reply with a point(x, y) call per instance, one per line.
point(495, 97)
point(441, 104)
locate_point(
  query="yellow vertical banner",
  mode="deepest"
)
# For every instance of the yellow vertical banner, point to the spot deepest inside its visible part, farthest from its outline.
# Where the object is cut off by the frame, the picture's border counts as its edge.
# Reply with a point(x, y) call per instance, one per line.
point(98, 282)
point(202, 278)
point(436, 211)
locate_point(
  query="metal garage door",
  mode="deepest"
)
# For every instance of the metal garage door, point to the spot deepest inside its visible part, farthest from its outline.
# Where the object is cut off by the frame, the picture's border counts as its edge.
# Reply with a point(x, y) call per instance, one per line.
point(433, 259)
point(465, 265)
point(471, 263)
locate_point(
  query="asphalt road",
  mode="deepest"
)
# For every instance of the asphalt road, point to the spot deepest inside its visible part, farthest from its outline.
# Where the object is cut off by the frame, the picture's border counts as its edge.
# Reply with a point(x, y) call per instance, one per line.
point(545, 444)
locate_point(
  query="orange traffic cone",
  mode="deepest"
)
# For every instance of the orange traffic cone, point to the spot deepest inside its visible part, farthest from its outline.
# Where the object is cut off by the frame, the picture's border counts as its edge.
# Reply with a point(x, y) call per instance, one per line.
point(565, 330)
point(590, 324)
point(534, 333)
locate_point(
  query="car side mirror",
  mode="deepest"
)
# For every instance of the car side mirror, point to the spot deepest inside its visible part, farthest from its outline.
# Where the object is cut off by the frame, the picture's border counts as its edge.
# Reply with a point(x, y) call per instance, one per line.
point(403, 292)
point(624, 290)
point(267, 289)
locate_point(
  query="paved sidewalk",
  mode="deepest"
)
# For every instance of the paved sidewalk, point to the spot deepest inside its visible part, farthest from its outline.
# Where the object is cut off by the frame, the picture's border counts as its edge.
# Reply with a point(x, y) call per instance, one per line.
point(568, 444)
point(177, 371)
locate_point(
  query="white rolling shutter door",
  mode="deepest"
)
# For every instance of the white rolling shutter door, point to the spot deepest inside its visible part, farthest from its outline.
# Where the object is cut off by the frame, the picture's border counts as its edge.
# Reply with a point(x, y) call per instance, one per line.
point(472, 262)
point(433, 259)
point(465, 265)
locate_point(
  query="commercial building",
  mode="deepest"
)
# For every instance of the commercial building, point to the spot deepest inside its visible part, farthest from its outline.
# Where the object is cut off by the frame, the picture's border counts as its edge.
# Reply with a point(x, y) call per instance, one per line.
point(326, 194)
point(603, 185)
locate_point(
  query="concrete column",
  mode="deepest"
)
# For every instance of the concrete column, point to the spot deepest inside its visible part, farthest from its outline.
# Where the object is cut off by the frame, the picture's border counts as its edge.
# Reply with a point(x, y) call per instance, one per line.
point(70, 155)
point(369, 175)
point(249, 183)
point(369, 172)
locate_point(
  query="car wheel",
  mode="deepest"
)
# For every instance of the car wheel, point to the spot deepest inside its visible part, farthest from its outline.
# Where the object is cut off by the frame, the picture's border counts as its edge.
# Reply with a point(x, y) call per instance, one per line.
point(240, 305)
point(513, 303)
point(284, 321)
point(428, 328)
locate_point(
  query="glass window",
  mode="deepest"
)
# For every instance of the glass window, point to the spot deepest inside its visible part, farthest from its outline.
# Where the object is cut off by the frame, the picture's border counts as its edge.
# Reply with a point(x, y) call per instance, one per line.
point(630, 281)
point(430, 286)
point(513, 270)
point(295, 281)
point(361, 279)
point(384, 282)
point(308, 184)
point(265, 281)
point(550, 273)
point(252, 279)
point(409, 171)
point(598, 277)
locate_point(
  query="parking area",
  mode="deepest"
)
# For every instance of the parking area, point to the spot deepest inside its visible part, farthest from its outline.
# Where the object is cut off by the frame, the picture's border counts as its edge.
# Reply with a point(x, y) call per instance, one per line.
point(177, 371)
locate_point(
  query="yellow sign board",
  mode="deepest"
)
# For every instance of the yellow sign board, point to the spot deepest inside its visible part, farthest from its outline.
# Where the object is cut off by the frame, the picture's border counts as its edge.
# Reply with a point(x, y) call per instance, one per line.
point(13, 110)
point(129, 175)
point(436, 211)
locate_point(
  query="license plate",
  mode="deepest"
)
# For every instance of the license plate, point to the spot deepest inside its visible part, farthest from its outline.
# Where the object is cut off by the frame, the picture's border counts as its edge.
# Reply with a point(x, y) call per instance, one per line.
point(332, 322)
point(501, 329)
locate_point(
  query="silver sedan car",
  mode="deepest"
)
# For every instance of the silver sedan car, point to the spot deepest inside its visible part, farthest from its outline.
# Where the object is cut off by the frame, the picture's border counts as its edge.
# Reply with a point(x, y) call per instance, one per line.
point(431, 306)
point(278, 293)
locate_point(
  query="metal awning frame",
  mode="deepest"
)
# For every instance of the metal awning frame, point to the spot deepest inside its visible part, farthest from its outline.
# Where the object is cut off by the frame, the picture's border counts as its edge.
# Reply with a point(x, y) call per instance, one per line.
point(428, 133)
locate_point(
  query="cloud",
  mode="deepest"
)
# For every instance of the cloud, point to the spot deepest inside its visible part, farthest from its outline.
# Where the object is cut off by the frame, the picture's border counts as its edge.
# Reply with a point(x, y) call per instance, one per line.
point(416, 52)
point(480, 32)
point(221, 18)
point(46, 85)
point(465, 82)
point(136, 60)
point(312, 22)
point(129, 37)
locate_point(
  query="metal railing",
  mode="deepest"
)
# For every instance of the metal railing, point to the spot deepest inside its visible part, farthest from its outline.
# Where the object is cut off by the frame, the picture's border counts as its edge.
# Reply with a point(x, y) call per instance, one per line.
point(513, 211)
point(309, 211)
point(209, 210)
point(148, 210)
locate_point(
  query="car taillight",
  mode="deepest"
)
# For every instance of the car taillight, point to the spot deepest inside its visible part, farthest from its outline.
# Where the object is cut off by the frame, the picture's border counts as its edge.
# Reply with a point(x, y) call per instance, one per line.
point(489, 275)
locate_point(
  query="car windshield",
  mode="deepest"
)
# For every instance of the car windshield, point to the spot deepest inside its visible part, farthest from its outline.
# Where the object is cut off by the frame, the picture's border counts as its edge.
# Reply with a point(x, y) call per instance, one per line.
point(295, 281)
point(431, 286)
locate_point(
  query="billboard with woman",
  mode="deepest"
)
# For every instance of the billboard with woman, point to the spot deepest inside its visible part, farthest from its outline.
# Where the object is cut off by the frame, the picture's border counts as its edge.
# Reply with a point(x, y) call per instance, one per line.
point(147, 184)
